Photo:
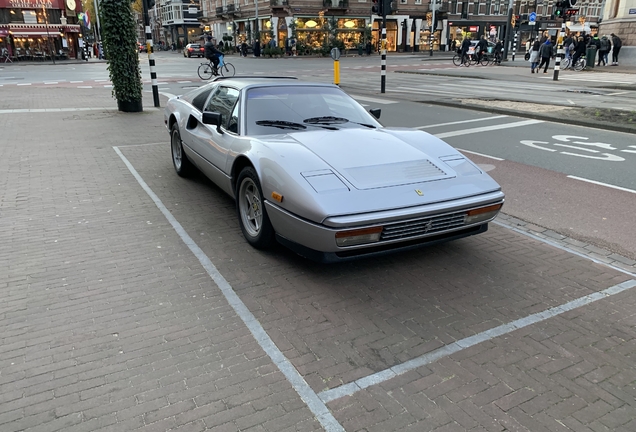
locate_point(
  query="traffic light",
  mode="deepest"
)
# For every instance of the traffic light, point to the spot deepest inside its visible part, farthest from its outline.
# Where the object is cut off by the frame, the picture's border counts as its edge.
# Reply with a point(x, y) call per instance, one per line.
point(377, 7)
point(387, 8)
point(517, 21)
point(559, 8)
point(571, 12)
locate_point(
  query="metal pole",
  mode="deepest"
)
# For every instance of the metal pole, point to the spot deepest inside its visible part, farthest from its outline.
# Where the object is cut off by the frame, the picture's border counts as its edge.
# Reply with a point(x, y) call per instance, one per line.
point(151, 55)
point(508, 30)
point(48, 35)
point(383, 52)
point(256, 25)
point(99, 26)
point(433, 3)
point(560, 52)
point(514, 46)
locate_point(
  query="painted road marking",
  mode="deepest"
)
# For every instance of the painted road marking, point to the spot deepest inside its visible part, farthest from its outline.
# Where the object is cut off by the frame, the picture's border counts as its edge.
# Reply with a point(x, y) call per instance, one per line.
point(603, 184)
point(581, 141)
point(84, 86)
point(24, 84)
point(488, 128)
point(52, 82)
point(370, 99)
point(311, 399)
point(480, 154)
point(460, 122)
point(460, 345)
point(53, 110)
point(75, 82)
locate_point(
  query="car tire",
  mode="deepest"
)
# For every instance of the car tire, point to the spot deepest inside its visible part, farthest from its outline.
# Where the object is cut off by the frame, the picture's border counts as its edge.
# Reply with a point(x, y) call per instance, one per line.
point(180, 161)
point(250, 206)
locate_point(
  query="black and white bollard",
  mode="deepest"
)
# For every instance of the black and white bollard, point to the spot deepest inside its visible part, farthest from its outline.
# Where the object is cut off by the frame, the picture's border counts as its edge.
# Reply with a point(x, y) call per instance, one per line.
point(514, 46)
point(560, 52)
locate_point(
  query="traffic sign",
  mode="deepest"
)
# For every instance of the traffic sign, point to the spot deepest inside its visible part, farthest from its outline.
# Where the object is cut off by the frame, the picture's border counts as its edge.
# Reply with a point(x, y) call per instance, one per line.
point(335, 53)
point(532, 17)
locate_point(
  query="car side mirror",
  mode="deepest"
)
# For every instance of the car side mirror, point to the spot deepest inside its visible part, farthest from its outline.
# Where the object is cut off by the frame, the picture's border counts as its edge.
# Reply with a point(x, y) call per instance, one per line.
point(375, 112)
point(214, 119)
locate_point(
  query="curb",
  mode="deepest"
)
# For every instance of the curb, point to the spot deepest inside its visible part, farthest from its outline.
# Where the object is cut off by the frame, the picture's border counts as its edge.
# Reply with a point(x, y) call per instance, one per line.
point(615, 127)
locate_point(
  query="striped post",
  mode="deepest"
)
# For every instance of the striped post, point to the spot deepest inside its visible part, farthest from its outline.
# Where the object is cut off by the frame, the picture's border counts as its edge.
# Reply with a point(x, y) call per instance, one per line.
point(514, 46)
point(153, 73)
point(560, 52)
point(383, 51)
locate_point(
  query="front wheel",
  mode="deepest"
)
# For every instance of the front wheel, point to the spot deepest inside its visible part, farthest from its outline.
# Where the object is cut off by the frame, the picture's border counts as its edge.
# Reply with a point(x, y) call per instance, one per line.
point(250, 206)
point(205, 71)
point(182, 164)
point(227, 70)
point(457, 60)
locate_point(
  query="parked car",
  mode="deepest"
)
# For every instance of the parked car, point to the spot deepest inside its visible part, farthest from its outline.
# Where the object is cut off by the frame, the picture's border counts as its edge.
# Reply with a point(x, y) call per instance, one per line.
point(142, 47)
point(310, 168)
point(193, 50)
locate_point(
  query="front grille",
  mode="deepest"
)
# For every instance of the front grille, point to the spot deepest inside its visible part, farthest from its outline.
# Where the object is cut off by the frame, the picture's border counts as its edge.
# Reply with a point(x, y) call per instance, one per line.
point(421, 226)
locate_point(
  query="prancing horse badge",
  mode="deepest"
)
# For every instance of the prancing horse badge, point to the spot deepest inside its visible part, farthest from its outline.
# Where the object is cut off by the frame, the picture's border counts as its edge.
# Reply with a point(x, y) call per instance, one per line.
point(419, 192)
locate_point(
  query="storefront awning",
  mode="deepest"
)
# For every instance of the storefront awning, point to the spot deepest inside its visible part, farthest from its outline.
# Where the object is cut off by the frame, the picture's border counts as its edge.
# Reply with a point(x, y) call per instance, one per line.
point(578, 27)
point(32, 33)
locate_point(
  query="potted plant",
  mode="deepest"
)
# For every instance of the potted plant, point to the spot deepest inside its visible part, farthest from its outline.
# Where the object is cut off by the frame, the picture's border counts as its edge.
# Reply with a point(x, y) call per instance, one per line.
point(119, 38)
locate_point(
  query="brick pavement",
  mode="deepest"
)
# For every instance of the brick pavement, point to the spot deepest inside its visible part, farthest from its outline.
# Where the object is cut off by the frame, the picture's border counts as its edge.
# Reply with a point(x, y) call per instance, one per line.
point(109, 322)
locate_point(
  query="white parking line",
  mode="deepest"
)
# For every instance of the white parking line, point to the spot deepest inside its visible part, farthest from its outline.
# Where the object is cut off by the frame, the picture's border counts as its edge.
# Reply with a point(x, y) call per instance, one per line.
point(487, 128)
point(311, 399)
point(447, 350)
point(76, 82)
point(480, 154)
point(84, 86)
point(602, 184)
point(460, 122)
point(52, 82)
point(370, 99)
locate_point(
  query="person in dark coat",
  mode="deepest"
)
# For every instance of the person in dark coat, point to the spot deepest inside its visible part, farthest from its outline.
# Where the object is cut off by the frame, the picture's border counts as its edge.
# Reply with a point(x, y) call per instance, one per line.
point(604, 47)
point(464, 48)
point(546, 54)
point(211, 53)
point(616, 47)
point(369, 47)
point(579, 50)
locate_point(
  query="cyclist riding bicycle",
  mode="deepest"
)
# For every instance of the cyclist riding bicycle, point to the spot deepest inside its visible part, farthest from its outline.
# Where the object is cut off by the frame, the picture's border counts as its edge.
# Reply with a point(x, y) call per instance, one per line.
point(212, 53)
point(464, 50)
point(481, 48)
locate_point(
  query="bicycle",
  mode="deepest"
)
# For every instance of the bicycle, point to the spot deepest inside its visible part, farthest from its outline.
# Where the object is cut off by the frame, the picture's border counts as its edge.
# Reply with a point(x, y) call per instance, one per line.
point(580, 64)
point(208, 70)
point(459, 61)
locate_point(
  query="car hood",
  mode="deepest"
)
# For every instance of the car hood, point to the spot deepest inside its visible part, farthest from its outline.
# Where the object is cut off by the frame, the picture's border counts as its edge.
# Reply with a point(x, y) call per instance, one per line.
point(376, 158)
point(327, 173)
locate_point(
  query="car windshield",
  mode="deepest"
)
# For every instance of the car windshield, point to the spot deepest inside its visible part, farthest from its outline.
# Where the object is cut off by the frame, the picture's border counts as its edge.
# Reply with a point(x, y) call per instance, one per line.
point(315, 107)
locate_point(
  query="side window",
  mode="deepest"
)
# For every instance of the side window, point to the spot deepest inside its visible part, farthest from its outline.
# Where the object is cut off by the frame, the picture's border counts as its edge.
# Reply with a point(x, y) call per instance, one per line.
point(200, 99)
point(223, 101)
point(232, 124)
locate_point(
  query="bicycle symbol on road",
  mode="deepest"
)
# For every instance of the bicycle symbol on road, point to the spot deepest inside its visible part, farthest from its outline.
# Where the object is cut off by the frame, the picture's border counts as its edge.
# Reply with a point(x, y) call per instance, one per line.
point(583, 148)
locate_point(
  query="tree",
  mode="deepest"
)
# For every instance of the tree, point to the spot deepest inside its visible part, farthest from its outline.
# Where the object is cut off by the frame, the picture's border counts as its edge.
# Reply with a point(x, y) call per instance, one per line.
point(119, 37)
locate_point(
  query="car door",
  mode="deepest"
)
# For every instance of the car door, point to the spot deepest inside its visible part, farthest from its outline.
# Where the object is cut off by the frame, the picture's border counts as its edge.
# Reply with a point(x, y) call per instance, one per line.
point(213, 143)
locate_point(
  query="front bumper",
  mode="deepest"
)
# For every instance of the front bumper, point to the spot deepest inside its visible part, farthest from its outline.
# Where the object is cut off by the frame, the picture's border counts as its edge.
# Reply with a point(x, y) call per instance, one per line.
point(318, 242)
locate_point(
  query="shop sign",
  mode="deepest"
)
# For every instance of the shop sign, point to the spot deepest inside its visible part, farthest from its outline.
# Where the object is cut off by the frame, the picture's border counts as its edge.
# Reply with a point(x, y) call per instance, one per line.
point(632, 11)
point(473, 28)
point(30, 4)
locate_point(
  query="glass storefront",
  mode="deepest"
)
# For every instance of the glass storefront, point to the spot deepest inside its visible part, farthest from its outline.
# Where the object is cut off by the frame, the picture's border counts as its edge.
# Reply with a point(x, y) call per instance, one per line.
point(391, 35)
point(425, 41)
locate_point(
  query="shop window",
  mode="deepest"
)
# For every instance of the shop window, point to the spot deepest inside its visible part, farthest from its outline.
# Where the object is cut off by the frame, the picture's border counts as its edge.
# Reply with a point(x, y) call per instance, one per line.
point(16, 16)
point(418, 2)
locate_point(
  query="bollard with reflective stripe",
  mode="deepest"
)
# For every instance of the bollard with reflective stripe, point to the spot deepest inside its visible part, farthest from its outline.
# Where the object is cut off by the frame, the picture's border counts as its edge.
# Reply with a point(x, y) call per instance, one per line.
point(560, 52)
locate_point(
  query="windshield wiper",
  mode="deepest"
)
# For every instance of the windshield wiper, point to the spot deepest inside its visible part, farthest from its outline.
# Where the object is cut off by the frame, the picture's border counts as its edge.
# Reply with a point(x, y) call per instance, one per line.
point(281, 124)
point(333, 120)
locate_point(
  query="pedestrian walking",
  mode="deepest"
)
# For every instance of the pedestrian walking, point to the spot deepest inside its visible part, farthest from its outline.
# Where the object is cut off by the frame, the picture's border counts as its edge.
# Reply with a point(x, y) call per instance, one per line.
point(616, 48)
point(369, 47)
point(546, 54)
point(534, 56)
point(605, 46)
point(244, 49)
point(566, 44)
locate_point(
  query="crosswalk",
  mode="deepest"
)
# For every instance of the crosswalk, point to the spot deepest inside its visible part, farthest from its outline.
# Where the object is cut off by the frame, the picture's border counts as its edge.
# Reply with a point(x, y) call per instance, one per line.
point(598, 77)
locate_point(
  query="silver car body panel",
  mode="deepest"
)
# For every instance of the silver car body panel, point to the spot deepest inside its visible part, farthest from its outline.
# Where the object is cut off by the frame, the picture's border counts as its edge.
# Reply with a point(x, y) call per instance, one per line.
point(332, 180)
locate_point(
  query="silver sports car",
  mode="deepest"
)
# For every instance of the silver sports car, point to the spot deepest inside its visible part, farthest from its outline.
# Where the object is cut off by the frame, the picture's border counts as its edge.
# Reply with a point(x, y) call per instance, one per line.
point(310, 168)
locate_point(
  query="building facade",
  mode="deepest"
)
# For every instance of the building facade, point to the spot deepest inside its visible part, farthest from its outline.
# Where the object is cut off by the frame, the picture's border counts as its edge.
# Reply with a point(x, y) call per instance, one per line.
point(409, 24)
point(619, 17)
point(40, 29)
